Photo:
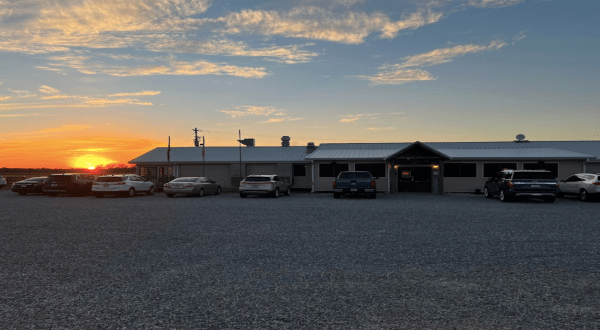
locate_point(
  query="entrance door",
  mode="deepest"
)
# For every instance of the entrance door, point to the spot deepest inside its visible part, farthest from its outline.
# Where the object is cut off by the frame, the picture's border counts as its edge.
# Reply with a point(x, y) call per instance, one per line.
point(414, 179)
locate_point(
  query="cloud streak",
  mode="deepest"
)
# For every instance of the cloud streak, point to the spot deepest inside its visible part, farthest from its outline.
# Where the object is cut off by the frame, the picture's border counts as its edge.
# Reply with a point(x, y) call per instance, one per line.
point(318, 24)
point(410, 69)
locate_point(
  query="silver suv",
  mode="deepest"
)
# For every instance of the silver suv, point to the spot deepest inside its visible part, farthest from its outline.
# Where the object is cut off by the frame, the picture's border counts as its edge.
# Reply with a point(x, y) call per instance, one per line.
point(584, 185)
point(271, 185)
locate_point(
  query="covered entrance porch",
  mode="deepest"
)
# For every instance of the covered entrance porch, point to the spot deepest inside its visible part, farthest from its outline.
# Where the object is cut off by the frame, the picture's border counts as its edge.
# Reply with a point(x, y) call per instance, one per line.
point(417, 168)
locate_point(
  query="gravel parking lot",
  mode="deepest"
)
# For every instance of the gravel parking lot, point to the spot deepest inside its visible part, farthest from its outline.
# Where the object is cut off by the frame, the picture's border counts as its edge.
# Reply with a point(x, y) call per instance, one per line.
point(307, 261)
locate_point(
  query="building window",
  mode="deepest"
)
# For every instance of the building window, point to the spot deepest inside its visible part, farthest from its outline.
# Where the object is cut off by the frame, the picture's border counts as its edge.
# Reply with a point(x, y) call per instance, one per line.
point(147, 171)
point(299, 170)
point(491, 169)
point(552, 167)
point(460, 170)
point(331, 170)
point(376, 169)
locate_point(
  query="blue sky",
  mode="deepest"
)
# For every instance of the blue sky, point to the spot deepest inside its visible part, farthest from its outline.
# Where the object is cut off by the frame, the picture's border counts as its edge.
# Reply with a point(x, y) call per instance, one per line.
point(108, 80)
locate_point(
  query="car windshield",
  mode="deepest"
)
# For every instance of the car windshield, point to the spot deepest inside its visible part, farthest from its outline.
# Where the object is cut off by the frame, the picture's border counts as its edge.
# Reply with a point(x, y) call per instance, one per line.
point(533, 176)
point(111, 179)
point(257, 179)
point(355, 175)
point(185, 180)
point(61, 178)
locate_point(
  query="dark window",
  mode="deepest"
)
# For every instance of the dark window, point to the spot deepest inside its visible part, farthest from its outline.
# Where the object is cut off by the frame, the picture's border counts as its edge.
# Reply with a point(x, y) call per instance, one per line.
point(110, 179)
point(552, 167)
point(376, 169)
point(491, 169)
point(257, 179)
point(331, 170)
point(460, 170)
point(299, 170)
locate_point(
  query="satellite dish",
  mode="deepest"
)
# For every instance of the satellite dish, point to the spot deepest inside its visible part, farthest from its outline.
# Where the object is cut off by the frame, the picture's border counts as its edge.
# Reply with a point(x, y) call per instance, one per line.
point(520, 137)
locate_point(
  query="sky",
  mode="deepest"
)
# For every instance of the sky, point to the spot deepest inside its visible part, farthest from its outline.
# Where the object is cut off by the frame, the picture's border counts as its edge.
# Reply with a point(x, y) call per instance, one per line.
point(98, 82)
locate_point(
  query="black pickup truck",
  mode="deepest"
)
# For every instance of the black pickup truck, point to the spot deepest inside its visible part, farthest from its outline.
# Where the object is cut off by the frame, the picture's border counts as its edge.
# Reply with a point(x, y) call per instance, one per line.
point(356, 183)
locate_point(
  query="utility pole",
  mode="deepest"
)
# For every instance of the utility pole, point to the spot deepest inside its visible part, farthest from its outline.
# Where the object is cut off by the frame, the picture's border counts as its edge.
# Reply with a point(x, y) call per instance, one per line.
point(240, 140)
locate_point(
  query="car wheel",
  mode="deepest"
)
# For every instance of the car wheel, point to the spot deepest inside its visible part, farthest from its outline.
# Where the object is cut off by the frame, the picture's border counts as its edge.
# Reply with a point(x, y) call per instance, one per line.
point(242, 195)
point(218, 191)
point(201, 193)
point(275, 194)
point(336, 195)
point(151, 191)
point(130, 192)
point(373, 196)
point(487, 193)
point(503, 197)
point(549, 199)
point(170, 195)
point(289, 191)
point(583, 195)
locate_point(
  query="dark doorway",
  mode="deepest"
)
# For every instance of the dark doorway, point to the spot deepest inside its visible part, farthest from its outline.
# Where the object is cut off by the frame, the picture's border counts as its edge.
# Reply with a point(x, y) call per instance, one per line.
point(414, 179)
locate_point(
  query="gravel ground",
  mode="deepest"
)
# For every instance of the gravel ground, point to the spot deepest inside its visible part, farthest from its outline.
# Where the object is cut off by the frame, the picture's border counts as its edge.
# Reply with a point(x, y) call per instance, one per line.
point(307, 261)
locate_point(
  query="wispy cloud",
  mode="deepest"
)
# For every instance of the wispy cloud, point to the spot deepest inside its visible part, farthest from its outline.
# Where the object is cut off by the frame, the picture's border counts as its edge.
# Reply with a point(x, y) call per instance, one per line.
point(356, 117)
point(4, 98)
point(25, 115)
point(63, 128)
point(144, 93)
point(410, 69)
point(493, 3)
point(48, 90)
point(380, 129)
point(318, 24)
point(83, 63)
point(278, 120)
point(247, 110)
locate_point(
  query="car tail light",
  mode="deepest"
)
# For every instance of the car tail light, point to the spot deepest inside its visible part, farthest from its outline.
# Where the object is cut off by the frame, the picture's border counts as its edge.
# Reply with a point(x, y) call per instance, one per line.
point(373, 184)
point(510, 184)
point(244, 182)
point(334, 184)
point(597, 183)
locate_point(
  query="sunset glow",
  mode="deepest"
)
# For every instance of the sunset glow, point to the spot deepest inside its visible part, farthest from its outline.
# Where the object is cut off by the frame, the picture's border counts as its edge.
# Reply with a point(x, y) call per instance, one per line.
point(90, 83)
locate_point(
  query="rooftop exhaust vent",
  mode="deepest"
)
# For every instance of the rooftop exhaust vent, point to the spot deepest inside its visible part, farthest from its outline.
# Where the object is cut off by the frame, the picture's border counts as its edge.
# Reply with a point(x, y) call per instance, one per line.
point(285, 141)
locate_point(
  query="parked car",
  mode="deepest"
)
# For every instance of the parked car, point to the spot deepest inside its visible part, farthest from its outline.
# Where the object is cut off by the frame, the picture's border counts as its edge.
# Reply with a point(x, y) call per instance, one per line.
point(29, 186)
point(355, 183)
point(509, 184)
point(584, 185)
point(2, 182)
point(127, 185)
point(198, 186)
point(271, 185)
point(69, 183)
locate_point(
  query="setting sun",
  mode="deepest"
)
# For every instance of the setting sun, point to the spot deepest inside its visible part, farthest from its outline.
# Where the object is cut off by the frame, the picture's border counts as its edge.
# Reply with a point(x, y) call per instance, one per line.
point(91, 162)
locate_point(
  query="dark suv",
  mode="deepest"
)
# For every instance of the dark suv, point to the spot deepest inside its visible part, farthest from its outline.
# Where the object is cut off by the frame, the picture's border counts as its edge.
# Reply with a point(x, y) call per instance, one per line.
point(69, 183)
point(509, 184)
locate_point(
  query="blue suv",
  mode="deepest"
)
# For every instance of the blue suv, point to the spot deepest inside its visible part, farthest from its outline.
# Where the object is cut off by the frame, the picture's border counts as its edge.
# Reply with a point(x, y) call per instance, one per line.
point(509, 184)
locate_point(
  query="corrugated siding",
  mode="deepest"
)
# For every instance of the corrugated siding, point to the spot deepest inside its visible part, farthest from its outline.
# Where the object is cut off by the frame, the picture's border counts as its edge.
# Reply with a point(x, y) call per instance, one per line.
point(592, 168)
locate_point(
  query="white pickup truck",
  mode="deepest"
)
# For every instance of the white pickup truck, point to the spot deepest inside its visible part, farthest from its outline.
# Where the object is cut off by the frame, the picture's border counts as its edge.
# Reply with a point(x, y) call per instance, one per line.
point(355, 183)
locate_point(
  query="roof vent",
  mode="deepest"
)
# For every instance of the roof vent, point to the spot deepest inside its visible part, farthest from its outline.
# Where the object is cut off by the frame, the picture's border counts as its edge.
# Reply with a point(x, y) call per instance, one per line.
point(521, 138)
point(310, 147)
point(285, 141)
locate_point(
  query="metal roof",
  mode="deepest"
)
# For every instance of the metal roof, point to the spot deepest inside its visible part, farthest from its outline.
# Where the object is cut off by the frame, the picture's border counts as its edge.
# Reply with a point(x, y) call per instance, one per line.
point(344, 154)
point(513, 153)
point(182, 155)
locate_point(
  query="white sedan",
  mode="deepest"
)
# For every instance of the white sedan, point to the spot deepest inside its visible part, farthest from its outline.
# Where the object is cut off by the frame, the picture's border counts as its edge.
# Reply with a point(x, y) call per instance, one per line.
point(122, 184)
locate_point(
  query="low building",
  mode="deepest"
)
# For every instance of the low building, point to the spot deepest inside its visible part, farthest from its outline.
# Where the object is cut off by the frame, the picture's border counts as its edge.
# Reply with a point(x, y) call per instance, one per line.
point(226, 165)
point(398, 167)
